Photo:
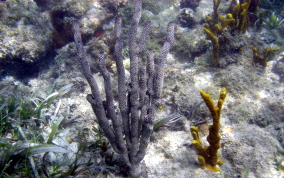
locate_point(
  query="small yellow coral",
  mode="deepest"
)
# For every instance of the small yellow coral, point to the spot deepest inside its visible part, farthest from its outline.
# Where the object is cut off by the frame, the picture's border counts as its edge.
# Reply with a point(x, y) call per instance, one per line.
point(208, 156)
point(208, 18)
point(225, 22)
point(243, 21)
point(214, 40)
point(266, 54)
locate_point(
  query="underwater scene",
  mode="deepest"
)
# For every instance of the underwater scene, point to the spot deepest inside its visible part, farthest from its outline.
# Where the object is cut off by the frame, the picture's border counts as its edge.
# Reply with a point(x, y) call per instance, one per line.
point(142, 88)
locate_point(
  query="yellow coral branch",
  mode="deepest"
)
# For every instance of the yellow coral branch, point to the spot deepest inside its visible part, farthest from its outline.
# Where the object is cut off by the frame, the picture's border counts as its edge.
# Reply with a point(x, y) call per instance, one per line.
point(208, 157)
point(266, 54)
point(215, 51)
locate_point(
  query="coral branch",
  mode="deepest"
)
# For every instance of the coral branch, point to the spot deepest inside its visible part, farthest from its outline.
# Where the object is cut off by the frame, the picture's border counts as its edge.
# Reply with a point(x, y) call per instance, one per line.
point(208, 156)
point(137, 105)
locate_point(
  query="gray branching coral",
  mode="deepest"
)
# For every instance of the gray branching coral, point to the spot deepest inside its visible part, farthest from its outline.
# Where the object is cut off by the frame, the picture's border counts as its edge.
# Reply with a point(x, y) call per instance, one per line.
point(137, 105)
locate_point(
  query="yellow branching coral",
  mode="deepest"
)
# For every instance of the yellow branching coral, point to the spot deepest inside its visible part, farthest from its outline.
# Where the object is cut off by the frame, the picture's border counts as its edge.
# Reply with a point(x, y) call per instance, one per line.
point(208, 156)
point(226, 21)
point(213, 29)
point(214, 40)
point(240, 14)
point(243, 21)
point(216, 4)
point(237, 21)
point(266, 54)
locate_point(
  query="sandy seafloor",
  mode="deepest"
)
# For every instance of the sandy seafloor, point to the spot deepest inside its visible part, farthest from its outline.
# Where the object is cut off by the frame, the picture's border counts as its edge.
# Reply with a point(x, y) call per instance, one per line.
point(251, 123)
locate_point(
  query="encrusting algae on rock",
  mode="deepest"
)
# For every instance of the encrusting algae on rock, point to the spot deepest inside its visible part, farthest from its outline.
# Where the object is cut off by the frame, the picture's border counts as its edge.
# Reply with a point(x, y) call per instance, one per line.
point(208, 156)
